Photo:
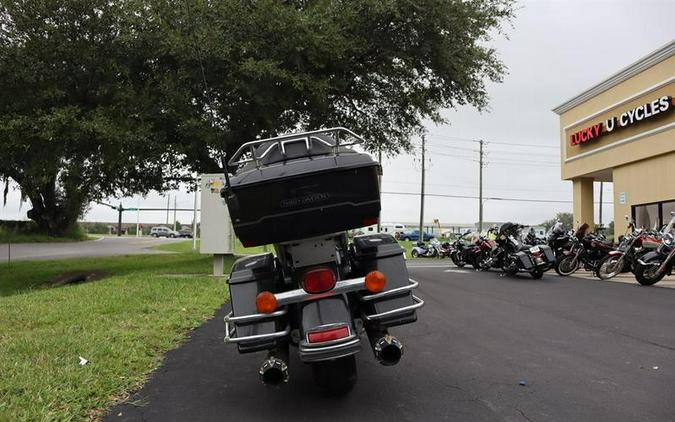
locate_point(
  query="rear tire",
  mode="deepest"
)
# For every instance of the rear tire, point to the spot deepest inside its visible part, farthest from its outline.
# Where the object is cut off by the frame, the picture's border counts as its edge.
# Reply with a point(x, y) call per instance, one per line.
point(610, 267)
point(414, 254)
point(567, 266)
point(335, 377)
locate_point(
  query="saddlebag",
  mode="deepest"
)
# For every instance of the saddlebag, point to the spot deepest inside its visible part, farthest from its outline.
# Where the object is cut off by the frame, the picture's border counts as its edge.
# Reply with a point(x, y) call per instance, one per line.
point(304, 197)
point(251, 275)
point(382, 252)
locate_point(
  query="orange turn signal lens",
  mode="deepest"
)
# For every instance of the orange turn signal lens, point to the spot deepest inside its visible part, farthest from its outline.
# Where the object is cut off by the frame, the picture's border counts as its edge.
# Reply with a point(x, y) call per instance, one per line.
point(266, 302)
point(375, 281)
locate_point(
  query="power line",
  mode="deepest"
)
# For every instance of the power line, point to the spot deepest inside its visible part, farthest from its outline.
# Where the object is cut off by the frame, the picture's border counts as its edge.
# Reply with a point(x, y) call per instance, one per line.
point(453, 138)
point(493, 198)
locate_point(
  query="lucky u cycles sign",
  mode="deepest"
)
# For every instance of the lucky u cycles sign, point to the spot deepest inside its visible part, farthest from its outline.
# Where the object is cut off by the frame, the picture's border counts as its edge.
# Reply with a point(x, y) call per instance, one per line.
point(641, 113)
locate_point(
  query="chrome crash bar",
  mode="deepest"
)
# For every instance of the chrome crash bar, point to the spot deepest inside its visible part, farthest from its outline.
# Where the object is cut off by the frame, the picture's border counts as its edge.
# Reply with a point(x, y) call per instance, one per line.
point(299, 295)
point(248, 149)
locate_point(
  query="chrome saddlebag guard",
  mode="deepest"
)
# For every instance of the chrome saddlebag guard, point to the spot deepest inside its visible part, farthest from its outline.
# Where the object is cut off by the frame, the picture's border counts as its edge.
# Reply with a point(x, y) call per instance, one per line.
point(396, 304)
point(249, 276)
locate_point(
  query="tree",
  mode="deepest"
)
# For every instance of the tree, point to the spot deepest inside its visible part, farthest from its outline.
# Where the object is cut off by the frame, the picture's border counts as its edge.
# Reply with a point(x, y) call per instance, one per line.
point(566, 218)
point(108, 98)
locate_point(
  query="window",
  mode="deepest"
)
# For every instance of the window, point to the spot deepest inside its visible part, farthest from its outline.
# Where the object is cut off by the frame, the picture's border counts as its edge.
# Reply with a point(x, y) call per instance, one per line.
point(654, 215)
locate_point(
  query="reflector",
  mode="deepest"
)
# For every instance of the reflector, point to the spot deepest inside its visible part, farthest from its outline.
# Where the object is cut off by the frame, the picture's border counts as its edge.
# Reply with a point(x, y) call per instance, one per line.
point(328, 335)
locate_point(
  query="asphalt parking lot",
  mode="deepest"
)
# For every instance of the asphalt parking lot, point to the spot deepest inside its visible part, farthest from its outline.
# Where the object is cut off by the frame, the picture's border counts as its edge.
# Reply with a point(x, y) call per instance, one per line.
point(485, 348)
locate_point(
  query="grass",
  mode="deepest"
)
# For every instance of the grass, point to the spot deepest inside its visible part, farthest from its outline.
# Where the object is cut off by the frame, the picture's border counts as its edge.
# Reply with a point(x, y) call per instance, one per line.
point(30, 235)
point(186, 247)
point(122, 325)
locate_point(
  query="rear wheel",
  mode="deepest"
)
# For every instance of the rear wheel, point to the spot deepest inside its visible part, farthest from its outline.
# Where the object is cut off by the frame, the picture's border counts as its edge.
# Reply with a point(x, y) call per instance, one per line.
point(568, 265)
point(456, 261)
point(537, 274)
point(335, 377)
point(414, 253)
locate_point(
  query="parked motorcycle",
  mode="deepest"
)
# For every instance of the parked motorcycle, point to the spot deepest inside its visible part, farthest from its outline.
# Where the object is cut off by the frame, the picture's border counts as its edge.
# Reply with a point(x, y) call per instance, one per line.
point(586, 249)
point(558, 239)
point(423, 250)
point(485, 253)
point(632, 247)
point(516, 257)
point(319, 292)
point(461, 250)
point(653, 266)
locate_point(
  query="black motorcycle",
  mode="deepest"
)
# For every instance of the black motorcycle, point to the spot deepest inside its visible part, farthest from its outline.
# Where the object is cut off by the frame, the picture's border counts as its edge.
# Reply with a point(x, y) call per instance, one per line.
point(652, 267)
point(586, 249)
point(515, 256)
point(558, 239)
point(461, 250)
point(320, 292)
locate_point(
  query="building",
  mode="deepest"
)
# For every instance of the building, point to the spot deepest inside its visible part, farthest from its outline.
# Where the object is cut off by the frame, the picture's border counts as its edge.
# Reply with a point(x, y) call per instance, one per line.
point(622, 130)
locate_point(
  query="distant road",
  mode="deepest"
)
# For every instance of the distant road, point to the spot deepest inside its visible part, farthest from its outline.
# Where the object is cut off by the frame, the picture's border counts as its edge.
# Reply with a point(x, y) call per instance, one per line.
point(107, 246)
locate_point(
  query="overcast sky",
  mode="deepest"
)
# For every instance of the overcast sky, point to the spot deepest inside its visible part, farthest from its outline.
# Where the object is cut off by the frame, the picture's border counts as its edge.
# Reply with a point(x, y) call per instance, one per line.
point(555, 50)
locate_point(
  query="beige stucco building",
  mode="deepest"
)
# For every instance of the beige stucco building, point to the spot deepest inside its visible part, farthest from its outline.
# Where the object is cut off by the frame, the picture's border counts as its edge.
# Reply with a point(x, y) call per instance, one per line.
point(622, 130)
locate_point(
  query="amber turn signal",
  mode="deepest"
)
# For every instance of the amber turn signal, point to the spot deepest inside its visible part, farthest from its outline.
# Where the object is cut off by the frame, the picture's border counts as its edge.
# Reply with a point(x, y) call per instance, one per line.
point(266, 302)
point(375, 281)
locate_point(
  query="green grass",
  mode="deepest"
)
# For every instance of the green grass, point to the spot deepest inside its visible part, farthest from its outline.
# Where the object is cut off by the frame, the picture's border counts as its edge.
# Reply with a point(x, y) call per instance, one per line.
point(7, 236)
point(186, 247)
point(122, 324)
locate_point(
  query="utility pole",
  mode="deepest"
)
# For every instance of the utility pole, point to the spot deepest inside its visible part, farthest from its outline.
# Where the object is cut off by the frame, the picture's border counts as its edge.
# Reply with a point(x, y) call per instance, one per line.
point(379, 181)
point(480, 188)
point(138, 217)
point(421, 238)
point(168, 202)
point(194, 215)
point(175, 197)
point(119, 220)
point(601, 204)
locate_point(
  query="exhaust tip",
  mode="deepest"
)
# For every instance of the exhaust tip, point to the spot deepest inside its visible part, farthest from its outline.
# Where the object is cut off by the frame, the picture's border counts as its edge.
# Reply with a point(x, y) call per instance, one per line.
point(388, 350)
point(273, 371)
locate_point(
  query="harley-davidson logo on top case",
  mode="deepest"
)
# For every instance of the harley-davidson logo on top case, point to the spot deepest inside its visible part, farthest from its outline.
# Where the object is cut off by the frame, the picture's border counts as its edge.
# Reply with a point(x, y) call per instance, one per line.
point(643, 112)
point(304, 200)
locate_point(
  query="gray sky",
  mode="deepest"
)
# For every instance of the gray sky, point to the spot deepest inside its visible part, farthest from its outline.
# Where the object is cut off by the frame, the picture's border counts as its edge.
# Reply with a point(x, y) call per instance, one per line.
point(555, 50)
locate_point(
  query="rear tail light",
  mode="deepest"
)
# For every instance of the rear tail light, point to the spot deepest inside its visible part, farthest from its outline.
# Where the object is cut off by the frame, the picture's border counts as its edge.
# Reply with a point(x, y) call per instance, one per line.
point(266, 302)
point(369, 221)
point(319, 280)
point(328, 335)
point(375, 281)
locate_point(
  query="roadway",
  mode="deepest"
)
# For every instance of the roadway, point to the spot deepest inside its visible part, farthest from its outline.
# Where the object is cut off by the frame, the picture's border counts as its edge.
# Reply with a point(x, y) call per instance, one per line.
point(485, 348)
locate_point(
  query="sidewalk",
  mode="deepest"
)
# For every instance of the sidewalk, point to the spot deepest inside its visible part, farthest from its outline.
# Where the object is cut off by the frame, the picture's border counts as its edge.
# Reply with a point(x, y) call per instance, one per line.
point(629, 278)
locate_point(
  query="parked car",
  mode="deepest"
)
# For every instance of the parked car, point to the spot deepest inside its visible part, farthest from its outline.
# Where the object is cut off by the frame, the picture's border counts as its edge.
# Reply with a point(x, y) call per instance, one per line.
point(161, 231)
point(414, 235)
point(185, 233)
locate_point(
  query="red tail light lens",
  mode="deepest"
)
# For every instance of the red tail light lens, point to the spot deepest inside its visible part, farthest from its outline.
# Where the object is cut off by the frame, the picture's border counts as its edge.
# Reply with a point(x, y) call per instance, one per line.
point(328, 335)
point(319, 280)
point(369, 221)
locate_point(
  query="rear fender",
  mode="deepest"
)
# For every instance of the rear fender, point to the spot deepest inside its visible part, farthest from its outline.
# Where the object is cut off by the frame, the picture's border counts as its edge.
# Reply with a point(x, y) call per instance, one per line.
point(324, 314)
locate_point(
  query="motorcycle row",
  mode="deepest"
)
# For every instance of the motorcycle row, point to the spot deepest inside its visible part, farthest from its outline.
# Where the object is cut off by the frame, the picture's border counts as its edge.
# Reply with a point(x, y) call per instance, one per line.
point(648, 253)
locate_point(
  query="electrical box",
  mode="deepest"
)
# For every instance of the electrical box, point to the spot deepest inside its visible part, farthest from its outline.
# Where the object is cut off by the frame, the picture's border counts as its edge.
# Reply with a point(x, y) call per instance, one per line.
point(216, 234)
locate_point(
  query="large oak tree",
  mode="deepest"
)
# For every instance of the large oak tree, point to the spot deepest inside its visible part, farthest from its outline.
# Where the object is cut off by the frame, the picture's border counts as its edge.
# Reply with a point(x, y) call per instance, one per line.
point(104, 98)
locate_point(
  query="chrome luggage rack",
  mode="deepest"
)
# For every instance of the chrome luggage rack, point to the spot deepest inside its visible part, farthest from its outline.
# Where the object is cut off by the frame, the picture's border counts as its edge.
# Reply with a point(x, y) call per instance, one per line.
point(247, 154)
point(299, 295)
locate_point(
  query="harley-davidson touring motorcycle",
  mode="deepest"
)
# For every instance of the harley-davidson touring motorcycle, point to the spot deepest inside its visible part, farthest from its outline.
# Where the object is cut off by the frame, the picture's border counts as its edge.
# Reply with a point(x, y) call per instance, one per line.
point(519, 257)
point(318, 293)
point(461, 250)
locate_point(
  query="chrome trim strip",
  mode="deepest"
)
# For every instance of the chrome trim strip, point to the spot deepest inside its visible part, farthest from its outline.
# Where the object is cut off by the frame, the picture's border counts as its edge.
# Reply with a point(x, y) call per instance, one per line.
point(253, 317)
point(412, 285)
point(418, 304)
point(306, 344)
point(299, 295)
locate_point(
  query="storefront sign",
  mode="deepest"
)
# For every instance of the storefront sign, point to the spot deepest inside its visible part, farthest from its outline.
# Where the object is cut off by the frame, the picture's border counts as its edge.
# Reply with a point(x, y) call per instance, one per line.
point(645, 111)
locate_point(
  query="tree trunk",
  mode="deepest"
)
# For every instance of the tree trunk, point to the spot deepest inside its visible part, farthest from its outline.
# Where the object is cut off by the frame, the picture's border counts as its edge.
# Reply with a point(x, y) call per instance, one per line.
point(55, 212)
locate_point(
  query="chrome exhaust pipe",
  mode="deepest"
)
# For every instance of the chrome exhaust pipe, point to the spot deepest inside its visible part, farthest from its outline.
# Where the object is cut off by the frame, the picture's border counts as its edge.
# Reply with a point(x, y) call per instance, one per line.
point(273, 371)
point(388, 350)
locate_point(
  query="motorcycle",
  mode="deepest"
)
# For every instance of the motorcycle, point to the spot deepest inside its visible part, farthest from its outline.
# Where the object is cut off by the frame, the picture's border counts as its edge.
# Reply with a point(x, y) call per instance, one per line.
point(558, 239)
point(319, 293)
point(485, 253)
point(461, 250)
point(514, 256)
point(631, 248)
point(653, 266)
point(587, 249)
point(422, 250)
